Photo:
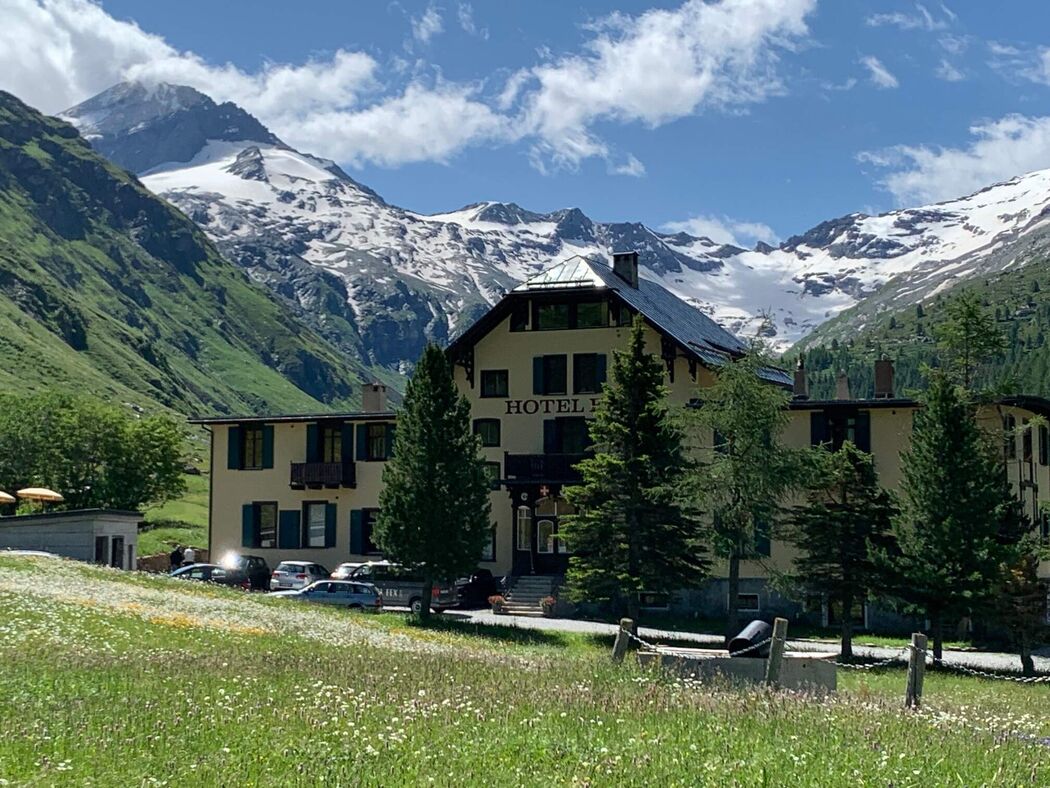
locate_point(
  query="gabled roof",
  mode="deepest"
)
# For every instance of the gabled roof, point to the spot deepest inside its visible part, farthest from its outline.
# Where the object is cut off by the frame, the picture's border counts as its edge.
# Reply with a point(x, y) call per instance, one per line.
point(688, 326)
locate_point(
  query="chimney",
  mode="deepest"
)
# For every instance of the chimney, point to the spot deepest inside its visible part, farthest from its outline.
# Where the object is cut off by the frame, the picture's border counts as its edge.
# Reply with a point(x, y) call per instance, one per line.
point(884, 378)
point(801, 390)
point(373, 398)
point(842, 386)
point(625, 266)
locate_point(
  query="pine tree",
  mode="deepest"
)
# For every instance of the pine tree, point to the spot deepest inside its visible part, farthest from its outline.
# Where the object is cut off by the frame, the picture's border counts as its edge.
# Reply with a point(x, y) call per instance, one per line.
point(846, 518)
point(434, 508)
point(959, 522)
point(1021, 605)
point(748, 470)
point(631, 531)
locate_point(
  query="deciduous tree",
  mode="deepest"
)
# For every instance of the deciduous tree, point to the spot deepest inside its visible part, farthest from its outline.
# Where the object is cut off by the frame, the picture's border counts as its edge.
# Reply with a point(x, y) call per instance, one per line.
point(747, 470)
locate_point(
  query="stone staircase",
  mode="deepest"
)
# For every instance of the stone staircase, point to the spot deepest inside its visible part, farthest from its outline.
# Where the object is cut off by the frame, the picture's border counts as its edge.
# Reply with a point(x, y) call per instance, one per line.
point(525, 593)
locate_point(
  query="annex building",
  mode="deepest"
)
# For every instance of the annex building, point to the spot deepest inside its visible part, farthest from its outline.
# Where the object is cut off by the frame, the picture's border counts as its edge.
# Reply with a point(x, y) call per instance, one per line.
point(532, 368)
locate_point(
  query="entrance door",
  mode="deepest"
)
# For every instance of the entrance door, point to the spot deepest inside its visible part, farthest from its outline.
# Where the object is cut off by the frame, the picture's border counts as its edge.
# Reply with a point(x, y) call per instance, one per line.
point(117, 555)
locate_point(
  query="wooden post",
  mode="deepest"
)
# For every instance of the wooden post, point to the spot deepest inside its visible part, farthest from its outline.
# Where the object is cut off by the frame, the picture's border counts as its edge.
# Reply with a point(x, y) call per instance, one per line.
point(916, 671)
point(623, 639)
point(776, 651)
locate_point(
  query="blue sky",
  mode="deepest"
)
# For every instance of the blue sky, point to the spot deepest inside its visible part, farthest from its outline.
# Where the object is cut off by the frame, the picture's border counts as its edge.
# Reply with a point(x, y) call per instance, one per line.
point(751, 118)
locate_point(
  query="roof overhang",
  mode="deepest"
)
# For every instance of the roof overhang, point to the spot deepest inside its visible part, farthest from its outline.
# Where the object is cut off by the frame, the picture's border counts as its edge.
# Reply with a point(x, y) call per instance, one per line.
point(294, 418)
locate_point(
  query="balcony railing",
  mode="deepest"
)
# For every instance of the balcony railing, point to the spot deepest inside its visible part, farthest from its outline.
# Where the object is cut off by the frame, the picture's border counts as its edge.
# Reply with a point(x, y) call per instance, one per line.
point(323, 474)
point(548, 467)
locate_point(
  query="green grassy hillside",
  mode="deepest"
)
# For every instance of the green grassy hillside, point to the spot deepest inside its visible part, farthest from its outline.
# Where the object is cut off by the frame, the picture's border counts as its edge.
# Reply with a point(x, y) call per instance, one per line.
point(107, 289)
point(108, 678)
point(1019, 299)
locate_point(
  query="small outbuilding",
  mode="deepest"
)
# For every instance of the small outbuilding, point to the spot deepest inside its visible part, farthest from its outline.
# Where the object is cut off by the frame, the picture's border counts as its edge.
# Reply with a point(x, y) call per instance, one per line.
point(100, 536)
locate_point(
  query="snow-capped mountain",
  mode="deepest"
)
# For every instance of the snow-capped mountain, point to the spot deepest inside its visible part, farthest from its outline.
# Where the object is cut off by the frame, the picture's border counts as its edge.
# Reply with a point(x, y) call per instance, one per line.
point(382, 279)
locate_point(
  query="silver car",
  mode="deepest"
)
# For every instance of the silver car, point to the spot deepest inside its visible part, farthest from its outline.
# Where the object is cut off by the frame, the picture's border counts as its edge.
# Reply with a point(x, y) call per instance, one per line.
point(342, 593)
point(295, 575)
point(404, 587)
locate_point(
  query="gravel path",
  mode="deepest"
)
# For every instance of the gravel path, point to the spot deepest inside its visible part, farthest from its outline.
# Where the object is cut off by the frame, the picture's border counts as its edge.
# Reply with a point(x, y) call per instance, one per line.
point(981, 660)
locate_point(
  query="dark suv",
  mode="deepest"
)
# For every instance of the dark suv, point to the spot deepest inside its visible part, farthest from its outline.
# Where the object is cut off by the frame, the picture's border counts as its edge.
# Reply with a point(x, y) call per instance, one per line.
point(254, 566)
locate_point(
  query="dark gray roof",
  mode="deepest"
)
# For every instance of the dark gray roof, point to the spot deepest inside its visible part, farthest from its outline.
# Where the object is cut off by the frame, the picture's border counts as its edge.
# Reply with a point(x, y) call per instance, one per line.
point(297, 417)
point(686, 324)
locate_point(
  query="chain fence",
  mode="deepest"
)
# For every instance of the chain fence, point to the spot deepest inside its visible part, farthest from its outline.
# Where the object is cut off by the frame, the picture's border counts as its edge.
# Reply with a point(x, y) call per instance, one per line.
point(901, 657)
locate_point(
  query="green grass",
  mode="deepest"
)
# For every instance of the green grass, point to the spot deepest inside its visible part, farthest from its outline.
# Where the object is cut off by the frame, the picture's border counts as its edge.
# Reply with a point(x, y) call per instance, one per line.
point(115, 679)
point(182, 521)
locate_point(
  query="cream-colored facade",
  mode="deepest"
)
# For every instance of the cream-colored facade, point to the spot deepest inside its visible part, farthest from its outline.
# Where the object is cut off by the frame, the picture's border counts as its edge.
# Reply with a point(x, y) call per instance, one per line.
point(291, 500)
point(531, 370)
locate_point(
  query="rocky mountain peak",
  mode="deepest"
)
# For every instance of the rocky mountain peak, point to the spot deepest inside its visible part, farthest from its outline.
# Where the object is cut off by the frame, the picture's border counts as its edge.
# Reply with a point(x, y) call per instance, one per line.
point(141, 125)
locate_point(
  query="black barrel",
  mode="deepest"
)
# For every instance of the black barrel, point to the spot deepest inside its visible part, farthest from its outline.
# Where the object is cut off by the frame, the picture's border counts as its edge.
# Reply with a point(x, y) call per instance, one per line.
point(753, 633)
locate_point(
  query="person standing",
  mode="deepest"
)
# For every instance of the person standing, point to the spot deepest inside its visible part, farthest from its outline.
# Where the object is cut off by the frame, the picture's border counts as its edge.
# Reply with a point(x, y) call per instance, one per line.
point(176, 557)
point(189, 556)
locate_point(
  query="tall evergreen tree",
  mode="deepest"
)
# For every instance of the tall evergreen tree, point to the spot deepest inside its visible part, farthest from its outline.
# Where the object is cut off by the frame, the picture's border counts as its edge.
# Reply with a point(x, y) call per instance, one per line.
point(847, 517)
point(434, 508)
point(1021, 606)
point(959, 523)
point(747, 471)
point(632, 532)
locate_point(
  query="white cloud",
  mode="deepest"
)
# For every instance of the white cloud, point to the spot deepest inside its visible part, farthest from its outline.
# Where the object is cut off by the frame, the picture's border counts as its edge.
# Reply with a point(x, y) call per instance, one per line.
point(724, 230)
point(879, 74)
point(921, 19)
point(423, 124)
point(1001, 149)
point(466, 22)
point(949, 73)
point(630, 166)
point(55, 53)
point(954, 45)
point(427, 25)
point(656, 67)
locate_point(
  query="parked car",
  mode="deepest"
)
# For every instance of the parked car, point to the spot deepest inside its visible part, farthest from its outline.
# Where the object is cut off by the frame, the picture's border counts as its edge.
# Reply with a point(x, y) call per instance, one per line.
point(476, 590)
point(343, 571)
point(356, 596)
point(296, 575)
point(213, 573)
point(404, 587)
point(254, 566)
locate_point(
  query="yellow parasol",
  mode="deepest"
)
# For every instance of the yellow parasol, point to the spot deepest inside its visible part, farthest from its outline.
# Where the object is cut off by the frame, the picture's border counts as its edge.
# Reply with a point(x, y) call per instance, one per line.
point(40, 494)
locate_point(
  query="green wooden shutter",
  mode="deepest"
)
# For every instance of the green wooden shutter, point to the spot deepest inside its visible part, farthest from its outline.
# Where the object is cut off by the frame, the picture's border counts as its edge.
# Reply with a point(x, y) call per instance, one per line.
point(390, 440)
point(602, 362)
point(248, 525)
point(313, 444)
point(329, 525)
point(348, 442)
point(550, 436)
point(233, 448)
point(357, 540)
point(537, 375)
point(362, 442)
point(289, 534)
point(763, 544)
point(862, 432)
point(267, 452)
point(817, 428)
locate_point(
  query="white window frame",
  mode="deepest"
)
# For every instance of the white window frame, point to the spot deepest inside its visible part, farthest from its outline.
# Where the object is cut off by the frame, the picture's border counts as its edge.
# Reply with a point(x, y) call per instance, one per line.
point(312, 539)
point(545, 546)
point(758, 602)
point(524, 523)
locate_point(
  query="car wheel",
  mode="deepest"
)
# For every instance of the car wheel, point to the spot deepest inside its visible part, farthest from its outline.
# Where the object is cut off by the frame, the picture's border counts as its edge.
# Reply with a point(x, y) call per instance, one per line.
point(416, 605)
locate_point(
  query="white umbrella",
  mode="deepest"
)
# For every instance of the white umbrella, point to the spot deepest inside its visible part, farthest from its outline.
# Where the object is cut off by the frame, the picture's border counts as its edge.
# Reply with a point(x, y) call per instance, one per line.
point(6, 497)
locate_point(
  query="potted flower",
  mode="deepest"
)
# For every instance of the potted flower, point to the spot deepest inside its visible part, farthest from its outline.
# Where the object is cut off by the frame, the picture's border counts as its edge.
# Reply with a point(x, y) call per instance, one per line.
point(498, 603)
point(547, 605)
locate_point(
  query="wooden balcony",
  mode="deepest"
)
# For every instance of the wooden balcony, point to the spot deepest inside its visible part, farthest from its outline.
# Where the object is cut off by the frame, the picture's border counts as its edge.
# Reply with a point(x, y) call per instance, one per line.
point(543, 467)
point(323, 474)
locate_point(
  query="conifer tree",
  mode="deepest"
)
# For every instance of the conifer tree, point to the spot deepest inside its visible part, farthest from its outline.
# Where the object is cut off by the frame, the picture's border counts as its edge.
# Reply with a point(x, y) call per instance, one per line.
point(748, 471)
point(846, 518)
point(1021, 606)
point(968, 337)
point(632, 532)
point(959, 524)
point(434, 508)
